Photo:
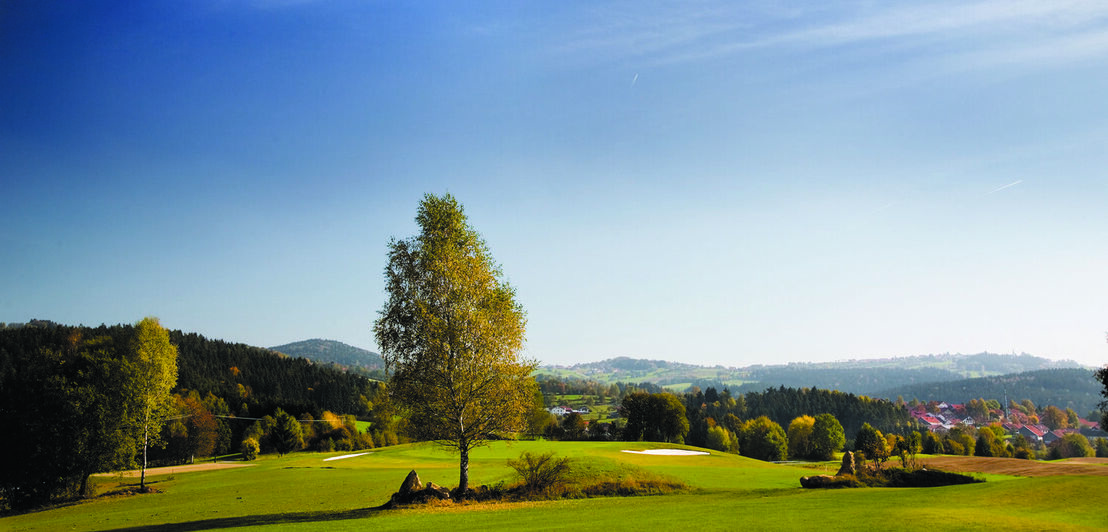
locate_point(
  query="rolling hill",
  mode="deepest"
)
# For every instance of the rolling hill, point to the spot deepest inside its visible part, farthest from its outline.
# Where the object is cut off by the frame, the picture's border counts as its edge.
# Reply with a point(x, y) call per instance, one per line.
point(333, 352)
point(868, 376)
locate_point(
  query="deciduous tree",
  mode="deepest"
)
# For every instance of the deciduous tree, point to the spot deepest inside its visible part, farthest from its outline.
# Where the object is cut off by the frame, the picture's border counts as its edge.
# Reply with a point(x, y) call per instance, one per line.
point(1071, 445)
point(719, 439)
point(154, 359)
point(1054, 418)
point(872, 444)
point(574, 426)
point(827, 437)
point(800, 437)
point(654, 417)
point(762, 439)
point(451, 333)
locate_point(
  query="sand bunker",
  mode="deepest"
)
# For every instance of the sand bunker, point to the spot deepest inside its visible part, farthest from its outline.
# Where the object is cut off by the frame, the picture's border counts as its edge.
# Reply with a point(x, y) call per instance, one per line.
point(342, 457)
point(668, 452)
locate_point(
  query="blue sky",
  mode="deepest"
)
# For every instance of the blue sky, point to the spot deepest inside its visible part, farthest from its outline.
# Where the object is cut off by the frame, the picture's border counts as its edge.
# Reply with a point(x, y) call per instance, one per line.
point(701, 182)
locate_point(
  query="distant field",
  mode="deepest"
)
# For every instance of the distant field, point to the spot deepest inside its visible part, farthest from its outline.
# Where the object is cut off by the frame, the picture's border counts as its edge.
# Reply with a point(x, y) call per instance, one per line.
point(302, 492)
point(599, 409)
point(1022, 468)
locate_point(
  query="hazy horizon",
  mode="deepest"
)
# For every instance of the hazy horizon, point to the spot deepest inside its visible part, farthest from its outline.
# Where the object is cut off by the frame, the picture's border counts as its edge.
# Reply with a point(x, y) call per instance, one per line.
point(730, 184)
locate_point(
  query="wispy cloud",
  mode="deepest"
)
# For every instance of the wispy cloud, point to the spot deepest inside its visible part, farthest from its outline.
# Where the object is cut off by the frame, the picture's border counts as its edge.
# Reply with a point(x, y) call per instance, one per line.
point(1009, 185)
point(989, 32)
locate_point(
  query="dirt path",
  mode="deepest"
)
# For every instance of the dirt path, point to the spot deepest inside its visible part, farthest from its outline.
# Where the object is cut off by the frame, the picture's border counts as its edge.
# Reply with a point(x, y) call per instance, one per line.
point(151, 471)
point(1023, 468)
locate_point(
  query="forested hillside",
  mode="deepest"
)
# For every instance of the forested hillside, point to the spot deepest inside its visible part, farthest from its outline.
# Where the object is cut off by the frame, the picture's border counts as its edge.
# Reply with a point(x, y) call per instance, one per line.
point(264, 379)
point(866, 381)
point(252, 380)
point(343, 356)
point(1074, 388)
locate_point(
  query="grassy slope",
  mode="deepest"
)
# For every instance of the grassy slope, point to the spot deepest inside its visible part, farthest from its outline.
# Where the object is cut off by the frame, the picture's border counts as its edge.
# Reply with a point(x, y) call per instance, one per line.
point(302, 492)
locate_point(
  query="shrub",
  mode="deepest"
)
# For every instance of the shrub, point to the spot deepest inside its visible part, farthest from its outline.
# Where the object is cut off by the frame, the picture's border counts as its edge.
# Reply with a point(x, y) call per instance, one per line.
point(932, 444)
point(541, 472)
point(626, 487)
point(1071, 446)
point(896, 477)
point(719, 439)
point(250, 449)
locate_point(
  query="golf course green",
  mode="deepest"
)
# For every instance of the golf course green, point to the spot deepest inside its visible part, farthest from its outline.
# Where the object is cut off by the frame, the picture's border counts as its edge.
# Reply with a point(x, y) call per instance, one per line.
point(304, 491)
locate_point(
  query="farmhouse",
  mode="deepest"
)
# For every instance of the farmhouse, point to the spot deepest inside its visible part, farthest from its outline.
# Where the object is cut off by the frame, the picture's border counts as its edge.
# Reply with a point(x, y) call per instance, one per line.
point(1032, 433)
point(1055, 435)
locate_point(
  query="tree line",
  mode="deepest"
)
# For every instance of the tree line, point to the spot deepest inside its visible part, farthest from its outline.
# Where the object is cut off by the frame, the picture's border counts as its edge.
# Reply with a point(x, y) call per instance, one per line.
point(1075, 388)
point(82, 403)
point(89, 400)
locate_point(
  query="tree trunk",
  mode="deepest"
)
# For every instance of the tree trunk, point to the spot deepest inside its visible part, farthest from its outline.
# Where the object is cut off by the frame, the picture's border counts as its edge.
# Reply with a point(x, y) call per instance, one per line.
point(145, 444)
point(463, 475)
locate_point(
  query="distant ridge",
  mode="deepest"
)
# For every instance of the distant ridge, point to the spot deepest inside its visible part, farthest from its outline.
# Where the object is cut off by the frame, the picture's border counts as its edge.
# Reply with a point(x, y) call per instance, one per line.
point(866, 376)
point(333, 352)
point(1074, 388)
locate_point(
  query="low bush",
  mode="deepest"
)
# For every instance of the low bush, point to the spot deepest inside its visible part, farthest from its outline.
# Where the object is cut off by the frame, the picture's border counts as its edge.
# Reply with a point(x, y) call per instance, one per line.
point(545, 476)
point(541, 472)
point(895, 477)
point(627, 487)
point(250, 449)
point(831, 482)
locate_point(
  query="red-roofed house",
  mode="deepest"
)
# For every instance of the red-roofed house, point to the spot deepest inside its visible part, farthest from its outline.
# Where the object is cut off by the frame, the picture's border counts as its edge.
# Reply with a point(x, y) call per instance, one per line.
point(1055, 435)
point(1032, 433)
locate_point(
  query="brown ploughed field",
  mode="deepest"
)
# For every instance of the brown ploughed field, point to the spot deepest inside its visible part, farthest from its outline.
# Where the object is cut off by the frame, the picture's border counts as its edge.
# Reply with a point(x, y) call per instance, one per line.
point(1017, 467)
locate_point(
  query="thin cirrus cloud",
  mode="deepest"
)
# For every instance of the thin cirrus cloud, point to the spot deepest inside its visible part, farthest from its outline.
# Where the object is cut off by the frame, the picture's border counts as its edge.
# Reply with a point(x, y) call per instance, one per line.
point(968, 34)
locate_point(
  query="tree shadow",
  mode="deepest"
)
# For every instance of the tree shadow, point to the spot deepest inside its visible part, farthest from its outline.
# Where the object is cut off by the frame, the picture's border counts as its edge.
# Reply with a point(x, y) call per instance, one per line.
point(257, 520)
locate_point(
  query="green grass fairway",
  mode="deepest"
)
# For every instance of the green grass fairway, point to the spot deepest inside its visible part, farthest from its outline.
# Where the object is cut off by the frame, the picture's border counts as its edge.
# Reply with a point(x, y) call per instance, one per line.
point(302, 492)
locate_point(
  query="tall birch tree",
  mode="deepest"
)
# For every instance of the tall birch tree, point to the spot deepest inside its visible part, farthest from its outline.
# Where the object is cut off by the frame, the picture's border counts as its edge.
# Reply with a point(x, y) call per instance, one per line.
point(155, 363)
point(451, 333)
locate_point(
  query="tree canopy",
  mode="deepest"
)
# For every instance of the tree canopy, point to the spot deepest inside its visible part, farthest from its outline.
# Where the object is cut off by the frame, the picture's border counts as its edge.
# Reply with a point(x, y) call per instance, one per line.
point(654, 417)
point(827, 437)
point(83, 404)
point(872, 444)
point(155, 361)
point(451, 333)
point(800, 436)
point(763, 439)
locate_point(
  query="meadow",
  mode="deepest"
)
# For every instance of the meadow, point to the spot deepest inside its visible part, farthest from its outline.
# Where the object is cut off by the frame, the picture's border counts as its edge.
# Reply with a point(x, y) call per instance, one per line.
point(303, 492)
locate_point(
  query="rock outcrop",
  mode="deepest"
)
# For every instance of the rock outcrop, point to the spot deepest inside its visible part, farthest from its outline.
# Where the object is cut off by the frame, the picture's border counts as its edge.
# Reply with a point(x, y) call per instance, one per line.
point(818, 481)
point(848, 464)
point(412, 491)
point(837, 481)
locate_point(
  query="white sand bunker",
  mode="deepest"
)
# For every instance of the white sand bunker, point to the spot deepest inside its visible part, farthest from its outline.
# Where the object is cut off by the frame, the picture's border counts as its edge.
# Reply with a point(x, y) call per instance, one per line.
point(343, 456)
point(668, 452)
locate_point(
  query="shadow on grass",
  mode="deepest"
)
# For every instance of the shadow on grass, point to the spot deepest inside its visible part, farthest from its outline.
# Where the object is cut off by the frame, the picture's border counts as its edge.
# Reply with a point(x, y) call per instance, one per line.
point(257, 520)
